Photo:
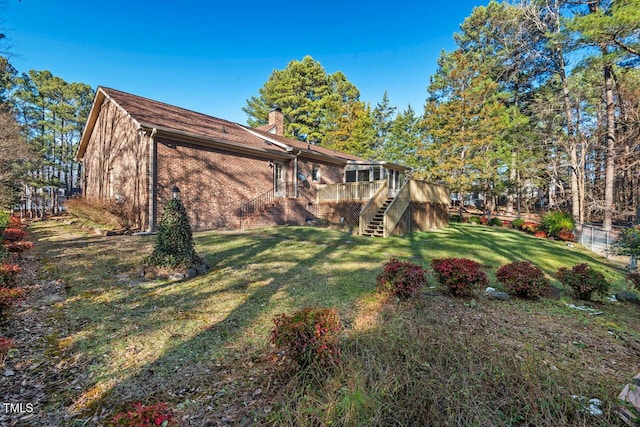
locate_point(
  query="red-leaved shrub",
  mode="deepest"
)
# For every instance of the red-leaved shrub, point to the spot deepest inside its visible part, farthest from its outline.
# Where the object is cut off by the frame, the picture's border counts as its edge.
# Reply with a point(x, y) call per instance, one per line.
point(566, 236)
point(530, 227)
point(14, 234)
point(6, 344)
point(523, 279)
point(144, 416)
point(9, 275)
point(583, 280)
point(14, 222)
point(18, 247)
point(462, 276)
point(401, 279)
point(309, 337)
point(9, 297)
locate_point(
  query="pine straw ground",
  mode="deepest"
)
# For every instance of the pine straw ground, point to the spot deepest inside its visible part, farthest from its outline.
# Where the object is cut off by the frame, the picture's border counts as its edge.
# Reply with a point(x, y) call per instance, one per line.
point(93, 337)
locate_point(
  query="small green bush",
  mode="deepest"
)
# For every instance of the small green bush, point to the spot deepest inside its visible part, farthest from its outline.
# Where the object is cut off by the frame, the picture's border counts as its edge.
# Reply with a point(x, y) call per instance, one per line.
point(517, 223)
point(583, 280)
point(495, 222)
point(174, 243)
point(523, 279)
point(4, 220)
point(309, 337)
point(462, 276)
point(628, 242)
point(555, 222)
point(455, 218)
point(401, 279)
point(474, 220)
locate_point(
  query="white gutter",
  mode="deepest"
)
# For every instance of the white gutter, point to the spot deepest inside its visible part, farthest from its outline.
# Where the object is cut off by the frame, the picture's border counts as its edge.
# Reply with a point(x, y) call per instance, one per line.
point(295, 173)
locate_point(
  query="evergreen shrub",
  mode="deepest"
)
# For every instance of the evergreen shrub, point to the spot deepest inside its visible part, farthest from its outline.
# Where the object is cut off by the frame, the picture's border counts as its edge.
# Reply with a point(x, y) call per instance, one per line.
point(555, 222)
point(517, 223)
point(495, 222)
point(174, 246)
point(4, 220)
point(474, 220)
point(628, 242)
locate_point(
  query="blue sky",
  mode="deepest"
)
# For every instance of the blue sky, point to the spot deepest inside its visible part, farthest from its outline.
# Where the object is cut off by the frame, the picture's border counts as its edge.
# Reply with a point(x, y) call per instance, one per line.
point(211, 56)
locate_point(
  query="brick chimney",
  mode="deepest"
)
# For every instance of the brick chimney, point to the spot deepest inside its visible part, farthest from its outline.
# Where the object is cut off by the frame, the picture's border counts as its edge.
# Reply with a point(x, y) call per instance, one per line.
point(277, 118)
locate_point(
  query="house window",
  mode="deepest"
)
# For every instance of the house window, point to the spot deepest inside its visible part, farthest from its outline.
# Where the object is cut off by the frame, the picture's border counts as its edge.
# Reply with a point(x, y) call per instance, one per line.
point(315, 173)
point(351, 176)
point(363, 175)
point(376, 173)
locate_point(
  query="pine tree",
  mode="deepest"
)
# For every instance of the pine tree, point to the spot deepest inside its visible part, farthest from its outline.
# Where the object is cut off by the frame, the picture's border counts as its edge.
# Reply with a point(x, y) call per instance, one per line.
point(310, 99)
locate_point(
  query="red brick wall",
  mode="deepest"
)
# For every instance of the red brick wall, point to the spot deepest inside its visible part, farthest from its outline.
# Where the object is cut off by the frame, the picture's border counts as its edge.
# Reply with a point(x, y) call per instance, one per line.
point(115, 164)
point(213, 183)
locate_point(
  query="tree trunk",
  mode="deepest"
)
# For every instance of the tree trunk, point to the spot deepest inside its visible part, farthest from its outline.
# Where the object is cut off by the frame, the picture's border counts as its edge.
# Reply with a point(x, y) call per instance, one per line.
point(610, 168)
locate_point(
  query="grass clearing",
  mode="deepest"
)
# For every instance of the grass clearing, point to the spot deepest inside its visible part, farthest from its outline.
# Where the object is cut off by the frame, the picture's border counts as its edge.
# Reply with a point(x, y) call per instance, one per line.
point(201, 345)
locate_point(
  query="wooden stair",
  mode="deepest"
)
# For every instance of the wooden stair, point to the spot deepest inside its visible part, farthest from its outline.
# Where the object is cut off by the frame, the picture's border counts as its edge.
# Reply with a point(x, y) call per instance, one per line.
point(375, 228)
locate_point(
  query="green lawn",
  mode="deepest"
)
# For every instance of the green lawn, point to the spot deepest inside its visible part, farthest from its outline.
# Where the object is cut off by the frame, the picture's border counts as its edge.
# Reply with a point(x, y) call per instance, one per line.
point(201, 345)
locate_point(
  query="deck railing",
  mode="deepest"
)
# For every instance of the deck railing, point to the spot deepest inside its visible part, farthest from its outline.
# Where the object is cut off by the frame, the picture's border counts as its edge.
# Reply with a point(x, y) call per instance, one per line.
point(348, 191)
point(371, 208)
point(396, 209)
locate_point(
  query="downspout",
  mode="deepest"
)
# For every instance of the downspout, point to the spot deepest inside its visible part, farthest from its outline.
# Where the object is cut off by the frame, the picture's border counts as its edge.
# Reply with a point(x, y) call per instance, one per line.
point(295, 173)
point(152, 182)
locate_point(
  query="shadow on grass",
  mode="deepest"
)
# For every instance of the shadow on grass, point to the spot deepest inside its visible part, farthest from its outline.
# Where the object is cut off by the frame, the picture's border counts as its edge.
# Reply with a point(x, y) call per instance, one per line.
point(156, 339)
point(193, 339)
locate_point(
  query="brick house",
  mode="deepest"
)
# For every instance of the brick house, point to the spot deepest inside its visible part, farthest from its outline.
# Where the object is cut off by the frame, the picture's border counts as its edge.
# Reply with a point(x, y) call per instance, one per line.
point(135, 151)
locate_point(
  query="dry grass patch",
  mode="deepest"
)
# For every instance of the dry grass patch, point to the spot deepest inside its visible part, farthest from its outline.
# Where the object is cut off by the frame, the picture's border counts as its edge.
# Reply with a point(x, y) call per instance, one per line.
point(201, 345)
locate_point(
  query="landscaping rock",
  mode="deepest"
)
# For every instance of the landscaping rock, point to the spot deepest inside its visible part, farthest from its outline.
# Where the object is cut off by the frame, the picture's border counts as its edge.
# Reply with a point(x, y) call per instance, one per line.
point(627, 296)
point(51, 299)
point(201, 268)
point(553, 293)
point(176, 276)
point(497, 295)
point(191, 273)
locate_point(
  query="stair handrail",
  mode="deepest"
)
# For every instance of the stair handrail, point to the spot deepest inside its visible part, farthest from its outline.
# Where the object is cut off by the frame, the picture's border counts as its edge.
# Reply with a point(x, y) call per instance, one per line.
point(396, 209)
point(369, 210)
point(257, 204)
